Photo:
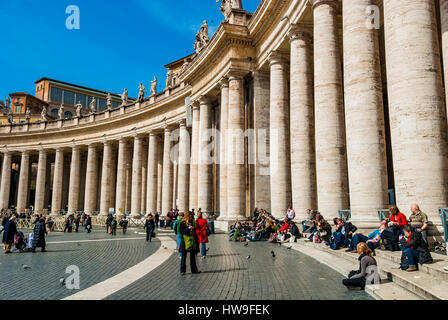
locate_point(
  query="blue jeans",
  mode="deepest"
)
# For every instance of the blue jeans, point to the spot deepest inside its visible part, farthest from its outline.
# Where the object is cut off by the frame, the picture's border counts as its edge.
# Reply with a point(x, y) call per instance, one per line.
point(339, 241)
point(179, 239)
point(413, 256)
point(357, 238)
point(203, 249)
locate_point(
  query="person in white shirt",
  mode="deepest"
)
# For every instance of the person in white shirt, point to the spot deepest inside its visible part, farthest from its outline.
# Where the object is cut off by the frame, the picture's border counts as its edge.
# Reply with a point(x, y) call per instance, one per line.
point(291, 214)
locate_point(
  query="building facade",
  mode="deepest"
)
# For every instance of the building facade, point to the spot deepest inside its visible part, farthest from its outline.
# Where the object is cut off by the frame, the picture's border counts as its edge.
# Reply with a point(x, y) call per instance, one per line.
point(319, 104)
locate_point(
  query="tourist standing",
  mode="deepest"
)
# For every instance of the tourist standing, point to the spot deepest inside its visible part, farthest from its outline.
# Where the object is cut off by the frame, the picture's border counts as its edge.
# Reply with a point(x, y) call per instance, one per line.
point(176, 231)
point(156, 219)
point(8, 234)
point(39, 235)
point(77, 222)
point(149, 226)
point(108, 223)
point(124, 224)
point(189, 243)
point(202, 231)
point(113, 226)
point(89, 224)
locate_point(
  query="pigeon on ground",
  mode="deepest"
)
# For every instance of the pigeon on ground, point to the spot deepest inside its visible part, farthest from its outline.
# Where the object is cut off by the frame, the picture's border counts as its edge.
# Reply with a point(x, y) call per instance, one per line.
point(246, 244)
point(289, 248)
point(79, 244)
point(273, 254)
point(248, 257)
point(62, 282)
point(25, 267)
point(164, 247)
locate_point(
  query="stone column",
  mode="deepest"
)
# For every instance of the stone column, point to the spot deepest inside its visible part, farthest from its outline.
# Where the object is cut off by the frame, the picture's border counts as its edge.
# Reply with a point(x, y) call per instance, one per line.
point(444, 29)
point(144, 176)
point(56, 205)
point(23, 190)
point(167, 184)
point(120, 199)
point(364, 116)
point(40, 182)
point(223, 146)
point(236, 172)
point(159, 175)
point(136, 177)
point(281, 193)
point(303, 159)
point(91, 180)
point(194, 158)
point(151, 192)
point(416, 105)
point(106, 179)
point(75, 170)
point(184, 167)
point(6, 180)
point(205, 187)
point(331, 162)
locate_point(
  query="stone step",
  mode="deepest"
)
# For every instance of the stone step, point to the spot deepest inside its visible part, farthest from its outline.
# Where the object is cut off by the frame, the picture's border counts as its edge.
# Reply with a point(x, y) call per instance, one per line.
point(421, 283)
point(385, 291)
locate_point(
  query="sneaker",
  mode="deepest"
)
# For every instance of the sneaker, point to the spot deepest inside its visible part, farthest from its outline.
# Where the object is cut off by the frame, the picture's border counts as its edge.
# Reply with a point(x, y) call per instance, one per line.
point(411, 269)
point(446, 268)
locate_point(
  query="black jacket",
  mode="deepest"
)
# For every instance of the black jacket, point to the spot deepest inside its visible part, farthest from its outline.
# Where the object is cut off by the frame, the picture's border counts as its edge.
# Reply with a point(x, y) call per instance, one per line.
point(420, 245)
point(149, 225)
point(9, 232)
point(349, 227)
point(39, 234)
point(184, 230)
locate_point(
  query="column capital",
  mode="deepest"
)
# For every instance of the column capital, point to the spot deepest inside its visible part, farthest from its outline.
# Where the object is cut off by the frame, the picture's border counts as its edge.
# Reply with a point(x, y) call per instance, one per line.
point(236, 74)
point(300, 31)
point(195, 105)
point(205, 100)
point(317, 3)
point(224, 82)
point(277, 57)
point(183, 123)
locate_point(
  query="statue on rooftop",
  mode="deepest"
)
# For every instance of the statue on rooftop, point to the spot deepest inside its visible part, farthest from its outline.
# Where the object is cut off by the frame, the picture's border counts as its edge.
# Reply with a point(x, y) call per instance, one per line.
point(169, 79)
point(93, 105)
point(43, 114)
point(28, 115)
point(109, 101)
point(61, 112)
point(154, 86)
point(185, 66)
point(78, 109)
point(228, 5)
point(202, 38)
point(124, 97)
point(141, 92)
point(10, 117)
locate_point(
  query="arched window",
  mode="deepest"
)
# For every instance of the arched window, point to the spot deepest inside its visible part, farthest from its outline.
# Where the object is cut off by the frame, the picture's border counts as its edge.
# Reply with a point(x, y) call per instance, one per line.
point(68, 115)
point(55, 113)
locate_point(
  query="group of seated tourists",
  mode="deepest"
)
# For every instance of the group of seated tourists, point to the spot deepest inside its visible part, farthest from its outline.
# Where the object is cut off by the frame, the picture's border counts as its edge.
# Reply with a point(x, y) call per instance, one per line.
point(397, 233)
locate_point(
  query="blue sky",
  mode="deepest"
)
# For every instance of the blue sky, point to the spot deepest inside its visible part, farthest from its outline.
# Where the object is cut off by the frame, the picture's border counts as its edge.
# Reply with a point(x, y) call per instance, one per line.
point(120, 42)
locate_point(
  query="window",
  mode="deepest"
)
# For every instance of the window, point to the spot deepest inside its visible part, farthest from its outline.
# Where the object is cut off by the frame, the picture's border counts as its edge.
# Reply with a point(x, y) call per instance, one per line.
point(55, 94)
point(55, 113)
point(102, 104)
point(68, 115)
point(69, 97)
point(115, 104)
point(81, 98)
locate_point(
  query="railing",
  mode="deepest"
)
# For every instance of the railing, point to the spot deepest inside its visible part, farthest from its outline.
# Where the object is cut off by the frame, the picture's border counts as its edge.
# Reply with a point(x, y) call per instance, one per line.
point(345, 215)
point(384, 215)
point(443, 212)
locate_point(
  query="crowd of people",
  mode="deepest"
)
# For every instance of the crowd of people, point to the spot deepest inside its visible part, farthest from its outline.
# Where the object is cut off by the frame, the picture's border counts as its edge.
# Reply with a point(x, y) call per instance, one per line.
point(397, 233)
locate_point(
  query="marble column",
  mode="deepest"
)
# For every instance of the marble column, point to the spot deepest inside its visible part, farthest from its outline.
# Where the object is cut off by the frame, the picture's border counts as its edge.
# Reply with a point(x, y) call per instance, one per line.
point(137, 177)
point(144, 175)
point(167, 184)
point(6, 181)
point(56, 205)
point(281, 193)
point(40, 182)
point(75, 170)
point(205, 186)
point(151, 194)
point(129, 161)
point(159, 175)
point(331, 161)
point(303, 159)
point(262, 178)
point(106, 179)
point(120, 200)
point(91, 179)
point(364, 116)
point(23, 190)
point(194, 157)
point(184, 167)
point(416, 105)
point(236, 174)
point(444, 30)
point(223, 147)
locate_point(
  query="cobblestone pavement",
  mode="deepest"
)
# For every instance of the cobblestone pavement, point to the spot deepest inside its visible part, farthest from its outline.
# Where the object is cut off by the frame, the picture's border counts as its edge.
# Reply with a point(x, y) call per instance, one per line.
point(97, 261)
point(227, 274)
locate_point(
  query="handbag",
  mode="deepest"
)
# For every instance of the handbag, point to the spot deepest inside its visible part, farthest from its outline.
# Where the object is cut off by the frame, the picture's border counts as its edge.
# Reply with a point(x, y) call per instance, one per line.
point(190, 244)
